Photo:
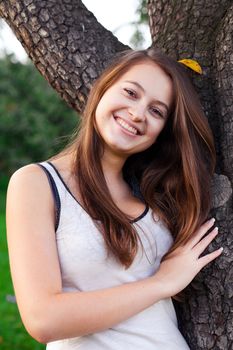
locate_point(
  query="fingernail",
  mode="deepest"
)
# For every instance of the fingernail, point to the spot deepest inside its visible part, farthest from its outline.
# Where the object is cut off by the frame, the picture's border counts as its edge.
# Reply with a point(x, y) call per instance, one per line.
point(216, 229)
point(212, 220)
point(221, 249)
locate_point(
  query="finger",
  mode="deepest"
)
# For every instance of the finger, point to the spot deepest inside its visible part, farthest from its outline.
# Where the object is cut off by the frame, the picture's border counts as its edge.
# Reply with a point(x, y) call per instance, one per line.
point(204, 242)
point(200, 233)
point(203, 261)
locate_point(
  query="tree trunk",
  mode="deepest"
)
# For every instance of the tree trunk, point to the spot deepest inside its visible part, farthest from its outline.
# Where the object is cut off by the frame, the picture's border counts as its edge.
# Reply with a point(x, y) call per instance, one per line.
point(203, 30)
point(70, 49)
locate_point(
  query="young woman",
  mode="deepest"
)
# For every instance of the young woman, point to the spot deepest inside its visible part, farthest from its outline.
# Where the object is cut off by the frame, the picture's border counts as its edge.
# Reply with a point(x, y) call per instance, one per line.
point(105, 233)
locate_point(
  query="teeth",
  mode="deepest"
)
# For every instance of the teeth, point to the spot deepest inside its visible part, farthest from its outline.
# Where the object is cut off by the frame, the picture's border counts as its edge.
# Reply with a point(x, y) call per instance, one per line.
point(127, 126)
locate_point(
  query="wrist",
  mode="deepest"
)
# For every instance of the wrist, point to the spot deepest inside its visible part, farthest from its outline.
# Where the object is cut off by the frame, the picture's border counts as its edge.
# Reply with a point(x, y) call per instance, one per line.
point(160, 288)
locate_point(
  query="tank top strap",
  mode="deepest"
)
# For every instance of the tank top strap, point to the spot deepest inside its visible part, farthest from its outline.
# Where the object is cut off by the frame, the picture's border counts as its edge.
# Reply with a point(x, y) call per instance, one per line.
point(57, 188)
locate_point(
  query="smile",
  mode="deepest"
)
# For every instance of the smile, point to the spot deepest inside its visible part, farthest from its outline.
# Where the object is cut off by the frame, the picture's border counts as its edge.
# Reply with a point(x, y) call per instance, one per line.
point(126, 126)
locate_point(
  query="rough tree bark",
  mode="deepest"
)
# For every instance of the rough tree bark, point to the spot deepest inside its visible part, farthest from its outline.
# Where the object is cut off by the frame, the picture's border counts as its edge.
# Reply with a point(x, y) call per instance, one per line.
point(70, 49)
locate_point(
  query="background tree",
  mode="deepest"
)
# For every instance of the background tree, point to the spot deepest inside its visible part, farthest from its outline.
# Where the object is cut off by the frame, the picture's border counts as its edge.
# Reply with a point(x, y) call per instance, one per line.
point(70, 49)
point(34, 120)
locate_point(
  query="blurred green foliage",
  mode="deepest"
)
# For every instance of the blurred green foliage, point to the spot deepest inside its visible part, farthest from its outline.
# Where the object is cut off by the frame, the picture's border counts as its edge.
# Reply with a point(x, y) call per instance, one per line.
point(137, 38)
point(34, 120)
point(142, 11)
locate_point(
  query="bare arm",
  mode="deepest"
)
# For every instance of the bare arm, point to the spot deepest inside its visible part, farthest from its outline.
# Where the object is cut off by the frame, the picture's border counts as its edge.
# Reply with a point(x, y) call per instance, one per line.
point(47, 312)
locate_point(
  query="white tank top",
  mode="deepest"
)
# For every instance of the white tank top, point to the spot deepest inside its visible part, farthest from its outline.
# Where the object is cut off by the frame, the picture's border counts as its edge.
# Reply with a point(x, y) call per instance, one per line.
point(85, 266)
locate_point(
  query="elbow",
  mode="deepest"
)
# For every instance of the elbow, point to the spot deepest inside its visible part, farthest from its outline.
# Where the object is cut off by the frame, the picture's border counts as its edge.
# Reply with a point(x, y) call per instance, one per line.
point(39, 333)
point(41, 321)
point(39, 328)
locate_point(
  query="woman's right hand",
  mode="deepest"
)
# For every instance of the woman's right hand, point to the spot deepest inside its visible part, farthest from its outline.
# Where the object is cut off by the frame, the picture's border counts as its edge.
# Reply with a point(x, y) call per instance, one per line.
point(179, 268)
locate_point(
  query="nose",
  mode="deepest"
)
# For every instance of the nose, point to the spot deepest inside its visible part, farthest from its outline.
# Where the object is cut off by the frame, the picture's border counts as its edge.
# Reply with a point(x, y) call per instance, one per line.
point(137, 113)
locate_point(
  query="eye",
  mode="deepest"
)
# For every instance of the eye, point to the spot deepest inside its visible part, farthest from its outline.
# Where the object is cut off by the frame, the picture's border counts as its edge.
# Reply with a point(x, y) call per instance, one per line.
point(156, 111)
point(131, 93)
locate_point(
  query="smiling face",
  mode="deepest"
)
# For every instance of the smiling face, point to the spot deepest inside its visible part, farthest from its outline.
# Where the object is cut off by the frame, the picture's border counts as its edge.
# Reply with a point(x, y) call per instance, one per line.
point(133, 111)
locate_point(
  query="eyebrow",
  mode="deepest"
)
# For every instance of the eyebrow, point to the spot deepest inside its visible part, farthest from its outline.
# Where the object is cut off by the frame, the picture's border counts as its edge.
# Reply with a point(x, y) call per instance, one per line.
point(141, 88)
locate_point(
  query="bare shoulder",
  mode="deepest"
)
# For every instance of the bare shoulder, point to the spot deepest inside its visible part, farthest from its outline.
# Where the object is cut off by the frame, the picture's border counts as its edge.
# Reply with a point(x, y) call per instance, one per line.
point(29, 191)
point(31, 173)
point(30, 178)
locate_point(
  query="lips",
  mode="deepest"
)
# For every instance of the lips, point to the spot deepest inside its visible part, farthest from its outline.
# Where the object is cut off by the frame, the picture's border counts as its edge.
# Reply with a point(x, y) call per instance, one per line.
point(127, 126)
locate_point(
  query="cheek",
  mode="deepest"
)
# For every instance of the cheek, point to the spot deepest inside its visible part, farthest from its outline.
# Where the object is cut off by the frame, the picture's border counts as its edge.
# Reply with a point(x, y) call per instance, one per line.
point(155, 128)
point(99, 110)
point(100, 113)
point(102, 110)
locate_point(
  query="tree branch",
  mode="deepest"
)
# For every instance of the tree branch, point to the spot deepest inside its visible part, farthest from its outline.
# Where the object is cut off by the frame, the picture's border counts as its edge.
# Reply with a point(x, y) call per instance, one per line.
point(65, 42)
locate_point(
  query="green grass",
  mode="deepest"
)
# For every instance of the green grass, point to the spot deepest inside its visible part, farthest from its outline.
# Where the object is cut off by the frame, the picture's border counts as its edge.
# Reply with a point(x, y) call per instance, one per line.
point(13, 335)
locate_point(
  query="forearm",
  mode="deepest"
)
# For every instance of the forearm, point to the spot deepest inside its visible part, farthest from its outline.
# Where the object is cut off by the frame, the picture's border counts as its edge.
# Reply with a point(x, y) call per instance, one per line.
point(74, 314)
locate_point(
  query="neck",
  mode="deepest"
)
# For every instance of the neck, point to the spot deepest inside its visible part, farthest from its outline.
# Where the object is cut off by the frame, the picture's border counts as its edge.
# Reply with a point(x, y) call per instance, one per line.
point(112, 168)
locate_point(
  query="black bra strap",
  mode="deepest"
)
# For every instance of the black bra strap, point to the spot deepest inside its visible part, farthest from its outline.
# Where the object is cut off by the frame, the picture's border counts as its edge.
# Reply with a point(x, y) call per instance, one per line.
point(55, 195)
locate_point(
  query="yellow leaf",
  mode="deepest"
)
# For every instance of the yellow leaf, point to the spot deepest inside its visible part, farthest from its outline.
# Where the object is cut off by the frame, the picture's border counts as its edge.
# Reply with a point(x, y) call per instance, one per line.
point(192, 64)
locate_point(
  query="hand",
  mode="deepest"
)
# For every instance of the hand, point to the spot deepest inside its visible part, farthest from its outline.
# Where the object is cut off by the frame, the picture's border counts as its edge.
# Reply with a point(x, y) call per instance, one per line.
point(180, 266)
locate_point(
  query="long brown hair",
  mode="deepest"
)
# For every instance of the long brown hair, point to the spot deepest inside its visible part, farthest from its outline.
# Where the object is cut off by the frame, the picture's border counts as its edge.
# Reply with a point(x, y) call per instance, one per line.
point(174, 174)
